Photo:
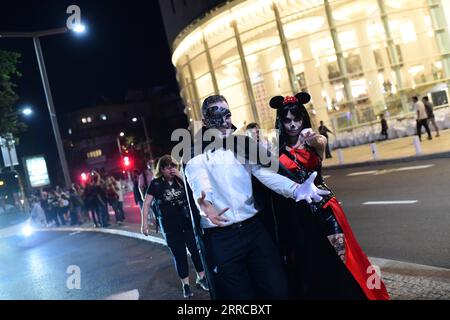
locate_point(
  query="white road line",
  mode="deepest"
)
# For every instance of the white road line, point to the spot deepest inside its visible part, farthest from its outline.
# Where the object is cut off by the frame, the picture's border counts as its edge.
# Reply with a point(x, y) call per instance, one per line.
point(369, 203)
point(326, 177)
point(361, 173)
point(128, 295)
point(74, 233)
point(415, 167)
point(386, 171)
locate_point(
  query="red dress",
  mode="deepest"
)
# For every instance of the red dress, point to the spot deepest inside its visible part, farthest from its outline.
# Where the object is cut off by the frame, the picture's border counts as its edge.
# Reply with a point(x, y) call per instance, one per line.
point(301, 162)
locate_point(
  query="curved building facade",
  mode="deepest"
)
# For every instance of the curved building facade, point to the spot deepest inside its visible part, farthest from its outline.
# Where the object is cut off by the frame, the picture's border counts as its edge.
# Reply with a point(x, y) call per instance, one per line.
point(357, 59)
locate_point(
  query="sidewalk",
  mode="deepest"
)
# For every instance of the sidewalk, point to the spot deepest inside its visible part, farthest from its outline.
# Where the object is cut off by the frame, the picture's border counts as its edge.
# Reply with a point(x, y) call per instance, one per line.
point(404, 281)
point(391, 151)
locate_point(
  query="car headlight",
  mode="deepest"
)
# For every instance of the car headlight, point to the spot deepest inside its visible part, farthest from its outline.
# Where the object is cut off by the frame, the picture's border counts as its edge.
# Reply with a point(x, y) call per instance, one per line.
point(27, 230)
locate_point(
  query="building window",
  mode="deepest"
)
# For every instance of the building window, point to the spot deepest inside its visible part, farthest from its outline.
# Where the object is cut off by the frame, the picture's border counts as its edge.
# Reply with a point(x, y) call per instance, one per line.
point(94, 154)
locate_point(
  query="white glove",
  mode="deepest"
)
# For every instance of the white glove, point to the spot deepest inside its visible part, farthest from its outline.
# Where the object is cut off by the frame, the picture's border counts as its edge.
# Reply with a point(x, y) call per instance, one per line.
point(308, 191)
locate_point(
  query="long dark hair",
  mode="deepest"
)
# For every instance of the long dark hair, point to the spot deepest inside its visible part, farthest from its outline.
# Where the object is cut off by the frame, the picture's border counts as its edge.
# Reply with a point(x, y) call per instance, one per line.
point(295, 105)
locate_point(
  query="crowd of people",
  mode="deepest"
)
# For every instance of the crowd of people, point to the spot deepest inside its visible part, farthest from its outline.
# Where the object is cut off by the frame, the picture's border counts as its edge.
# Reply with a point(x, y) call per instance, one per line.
point(80, 203)
point(252, 232)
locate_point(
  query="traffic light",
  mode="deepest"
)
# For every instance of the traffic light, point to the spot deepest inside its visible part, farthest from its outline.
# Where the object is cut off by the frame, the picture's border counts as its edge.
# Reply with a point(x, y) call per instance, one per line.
point(84, 177)
point(127, 162)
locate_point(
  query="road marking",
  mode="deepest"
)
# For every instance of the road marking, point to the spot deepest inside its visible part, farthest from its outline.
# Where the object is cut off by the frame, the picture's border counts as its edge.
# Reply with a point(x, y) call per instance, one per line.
point(369, 203)
point(415, 167)
point(385, 171)
point(326, 177)
point(361, 173)
point(74, 233)
point(127, 295)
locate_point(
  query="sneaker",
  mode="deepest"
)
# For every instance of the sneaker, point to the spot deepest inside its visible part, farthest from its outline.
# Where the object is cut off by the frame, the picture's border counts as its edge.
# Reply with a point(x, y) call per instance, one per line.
point(187, 293)
point(202, 283)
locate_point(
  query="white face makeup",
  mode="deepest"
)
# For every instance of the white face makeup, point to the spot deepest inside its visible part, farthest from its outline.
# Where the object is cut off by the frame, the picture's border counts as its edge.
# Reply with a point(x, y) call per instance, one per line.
point(292, 125)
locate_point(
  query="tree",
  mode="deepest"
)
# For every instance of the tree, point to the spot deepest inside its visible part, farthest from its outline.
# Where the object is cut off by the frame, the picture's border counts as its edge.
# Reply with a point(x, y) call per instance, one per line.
point(10, 123)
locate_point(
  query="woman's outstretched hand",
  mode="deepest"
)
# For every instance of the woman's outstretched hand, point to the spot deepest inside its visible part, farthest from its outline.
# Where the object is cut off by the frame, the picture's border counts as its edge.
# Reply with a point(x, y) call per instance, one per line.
point(308, 191)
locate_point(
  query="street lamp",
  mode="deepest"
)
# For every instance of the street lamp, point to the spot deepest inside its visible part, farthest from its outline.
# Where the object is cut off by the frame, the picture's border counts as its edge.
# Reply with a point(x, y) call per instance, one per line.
point(48, 94)
point(147, 139)
point(27, 111)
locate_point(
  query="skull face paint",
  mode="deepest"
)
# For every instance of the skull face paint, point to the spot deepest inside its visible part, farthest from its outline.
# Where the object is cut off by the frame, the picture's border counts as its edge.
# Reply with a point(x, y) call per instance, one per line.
point(218, 116)
point(292, 125)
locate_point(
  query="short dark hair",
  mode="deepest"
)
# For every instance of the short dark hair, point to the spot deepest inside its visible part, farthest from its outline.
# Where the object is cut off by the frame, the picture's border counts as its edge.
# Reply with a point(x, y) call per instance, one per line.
point(211, 100)
point(252, 125)
point(425, 98)
point(415, 98)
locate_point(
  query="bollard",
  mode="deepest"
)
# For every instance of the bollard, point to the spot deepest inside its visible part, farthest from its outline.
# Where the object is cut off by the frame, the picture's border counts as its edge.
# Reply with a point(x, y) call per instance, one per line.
point(373, 147)
point(417, 145)
point(340, 156)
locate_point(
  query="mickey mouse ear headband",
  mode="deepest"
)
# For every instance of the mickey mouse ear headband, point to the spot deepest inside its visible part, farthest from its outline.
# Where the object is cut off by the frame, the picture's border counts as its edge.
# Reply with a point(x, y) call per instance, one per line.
point(279, 101)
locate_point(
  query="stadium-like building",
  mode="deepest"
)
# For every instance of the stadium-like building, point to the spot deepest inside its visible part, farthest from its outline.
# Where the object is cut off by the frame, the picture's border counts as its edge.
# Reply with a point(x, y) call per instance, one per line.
point(357, 59)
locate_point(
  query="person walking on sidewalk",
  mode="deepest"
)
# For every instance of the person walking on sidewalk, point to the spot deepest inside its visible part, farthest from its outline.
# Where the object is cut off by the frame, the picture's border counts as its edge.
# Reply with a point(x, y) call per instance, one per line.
point(145, 178)
point(167, 192)
point(323, 130)
point(384, 127)
point(430, 113)
point(422, 118)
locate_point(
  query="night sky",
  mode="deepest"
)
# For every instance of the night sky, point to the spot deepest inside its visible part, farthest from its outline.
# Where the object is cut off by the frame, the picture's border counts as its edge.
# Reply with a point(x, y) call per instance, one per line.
point(125, 47)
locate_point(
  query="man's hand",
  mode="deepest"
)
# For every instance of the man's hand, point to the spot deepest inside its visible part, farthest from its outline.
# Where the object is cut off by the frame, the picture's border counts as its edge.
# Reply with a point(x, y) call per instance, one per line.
point(308, 191)
point(211, 212)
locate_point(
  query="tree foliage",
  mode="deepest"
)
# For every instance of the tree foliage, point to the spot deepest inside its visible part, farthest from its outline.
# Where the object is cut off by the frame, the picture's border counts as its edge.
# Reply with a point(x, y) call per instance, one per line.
point(9, 116)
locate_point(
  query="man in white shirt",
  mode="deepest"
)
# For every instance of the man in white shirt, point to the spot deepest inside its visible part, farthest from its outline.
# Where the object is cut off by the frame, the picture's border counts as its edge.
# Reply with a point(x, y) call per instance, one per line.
point(243, 258)
point(422, 118)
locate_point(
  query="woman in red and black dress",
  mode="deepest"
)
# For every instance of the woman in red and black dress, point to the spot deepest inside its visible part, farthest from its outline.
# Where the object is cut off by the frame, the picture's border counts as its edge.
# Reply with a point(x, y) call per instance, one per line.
point(323, 257)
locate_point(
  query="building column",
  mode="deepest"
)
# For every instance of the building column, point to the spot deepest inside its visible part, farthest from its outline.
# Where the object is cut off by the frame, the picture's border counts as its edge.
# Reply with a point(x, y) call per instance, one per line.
point(393, 53)
point(210, 65)
point(284, 46)
point(314, 81)
point(341, 61)
point(185, 95)
point(442, 34)
point(195, 108)
point(245, 72)
point(369, 66)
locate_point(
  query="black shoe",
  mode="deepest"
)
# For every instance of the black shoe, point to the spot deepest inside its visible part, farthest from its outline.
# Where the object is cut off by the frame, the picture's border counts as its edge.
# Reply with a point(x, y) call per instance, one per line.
point(202, 283)
point(187, 293)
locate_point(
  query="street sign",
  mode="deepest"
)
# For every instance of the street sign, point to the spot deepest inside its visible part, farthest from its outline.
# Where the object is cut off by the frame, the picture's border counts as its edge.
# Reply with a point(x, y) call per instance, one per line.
point(37, 173)
point(9, 153)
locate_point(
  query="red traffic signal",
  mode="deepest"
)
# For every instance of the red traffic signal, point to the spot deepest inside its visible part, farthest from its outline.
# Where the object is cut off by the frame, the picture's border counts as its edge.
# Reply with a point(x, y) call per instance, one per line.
point(84, 177)
point(127, 162)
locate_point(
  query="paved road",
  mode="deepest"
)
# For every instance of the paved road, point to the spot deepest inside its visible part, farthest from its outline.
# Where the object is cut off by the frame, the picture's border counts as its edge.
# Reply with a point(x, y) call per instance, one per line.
point(109, 265)
point(415, 232)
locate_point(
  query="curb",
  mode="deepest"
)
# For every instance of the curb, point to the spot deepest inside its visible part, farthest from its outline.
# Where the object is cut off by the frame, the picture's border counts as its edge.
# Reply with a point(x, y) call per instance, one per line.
point(387, 265)
point(439, 155)
point(411, 269)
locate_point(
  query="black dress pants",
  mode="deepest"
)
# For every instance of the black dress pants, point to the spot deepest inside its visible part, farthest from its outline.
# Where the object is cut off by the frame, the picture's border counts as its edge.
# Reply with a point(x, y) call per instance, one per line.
point(245, 263)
